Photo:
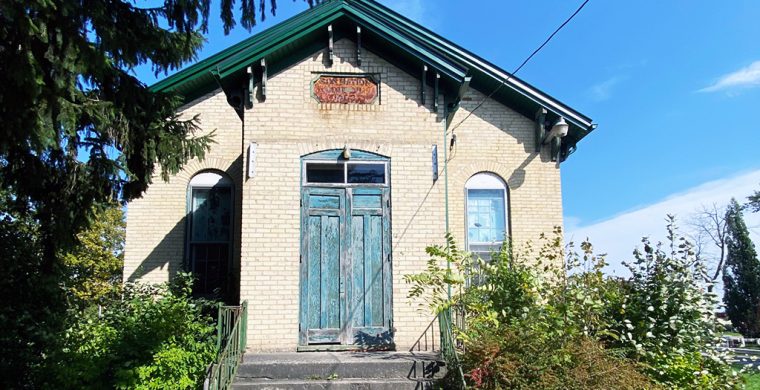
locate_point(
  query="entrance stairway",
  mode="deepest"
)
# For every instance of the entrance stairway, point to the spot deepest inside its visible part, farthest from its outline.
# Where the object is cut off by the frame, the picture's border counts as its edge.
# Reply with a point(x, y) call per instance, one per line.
point(339, 371)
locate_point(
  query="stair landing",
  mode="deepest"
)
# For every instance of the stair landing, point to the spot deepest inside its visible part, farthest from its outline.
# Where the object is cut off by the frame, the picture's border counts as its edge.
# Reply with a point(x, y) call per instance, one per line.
point(339, 371)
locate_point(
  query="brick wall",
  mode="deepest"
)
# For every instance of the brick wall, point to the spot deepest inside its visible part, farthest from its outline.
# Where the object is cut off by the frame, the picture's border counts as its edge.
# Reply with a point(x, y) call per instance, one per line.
point(156, 222)
point(290, 124)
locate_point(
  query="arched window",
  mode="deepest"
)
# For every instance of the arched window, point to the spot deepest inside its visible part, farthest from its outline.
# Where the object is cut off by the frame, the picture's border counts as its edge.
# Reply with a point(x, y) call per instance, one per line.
point(487, 219)
point(209, 238)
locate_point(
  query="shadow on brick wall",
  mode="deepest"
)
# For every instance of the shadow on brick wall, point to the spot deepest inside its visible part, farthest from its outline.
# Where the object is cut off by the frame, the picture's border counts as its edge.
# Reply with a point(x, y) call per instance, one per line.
point(170, 255)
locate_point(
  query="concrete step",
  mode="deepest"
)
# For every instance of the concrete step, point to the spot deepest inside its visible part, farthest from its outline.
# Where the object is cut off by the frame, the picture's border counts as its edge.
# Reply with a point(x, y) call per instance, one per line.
point(306, 366)
point(336, 384)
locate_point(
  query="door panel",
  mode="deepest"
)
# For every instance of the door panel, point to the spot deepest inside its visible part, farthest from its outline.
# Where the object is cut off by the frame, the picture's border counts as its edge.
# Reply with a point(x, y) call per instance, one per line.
point(346, 271)
point(357, 271)
point(322, 247)
point(330, 273)
point(373, 271)
point(370, 272)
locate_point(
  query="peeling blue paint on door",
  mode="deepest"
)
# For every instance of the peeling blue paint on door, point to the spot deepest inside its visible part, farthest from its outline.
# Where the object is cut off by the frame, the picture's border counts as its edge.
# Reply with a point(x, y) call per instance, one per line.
point(325, 216)
point(346, 284)
point(369, 245)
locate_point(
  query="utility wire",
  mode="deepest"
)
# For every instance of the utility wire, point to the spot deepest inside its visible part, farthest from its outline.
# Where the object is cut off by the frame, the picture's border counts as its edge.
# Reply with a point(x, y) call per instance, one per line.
point(521, 65)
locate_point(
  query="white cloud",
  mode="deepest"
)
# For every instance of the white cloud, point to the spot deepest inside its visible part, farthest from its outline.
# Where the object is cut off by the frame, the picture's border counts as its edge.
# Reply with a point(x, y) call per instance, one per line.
point(743, 78)
point(619, 235)
point(603, 91)
point(412, 9)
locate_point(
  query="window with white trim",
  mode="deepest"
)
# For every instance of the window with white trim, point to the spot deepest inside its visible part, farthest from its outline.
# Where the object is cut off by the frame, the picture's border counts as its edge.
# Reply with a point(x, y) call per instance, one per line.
point(346, 173)
point(210, 232)
point(486, 214)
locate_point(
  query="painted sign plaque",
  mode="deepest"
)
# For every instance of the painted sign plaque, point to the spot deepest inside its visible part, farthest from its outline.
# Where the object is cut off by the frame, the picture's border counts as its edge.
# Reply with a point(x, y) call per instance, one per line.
point(345, 89)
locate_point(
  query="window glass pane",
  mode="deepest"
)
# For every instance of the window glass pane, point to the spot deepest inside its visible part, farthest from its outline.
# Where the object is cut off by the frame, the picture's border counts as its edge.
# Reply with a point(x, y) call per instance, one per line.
point(324, 173)
point(210, 267)
point(366, 173)
point(486, 217)
point(211, 214)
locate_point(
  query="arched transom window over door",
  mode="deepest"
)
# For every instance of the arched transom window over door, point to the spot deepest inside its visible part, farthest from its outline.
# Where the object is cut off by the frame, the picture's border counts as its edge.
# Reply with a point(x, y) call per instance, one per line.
point(209, 239)
point(487, 218)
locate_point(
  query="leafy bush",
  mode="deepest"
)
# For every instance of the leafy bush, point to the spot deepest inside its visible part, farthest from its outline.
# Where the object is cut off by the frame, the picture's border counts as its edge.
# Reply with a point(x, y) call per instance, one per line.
point(667, 317)
point(531, 323)
point(157, 337)
point(513, 358)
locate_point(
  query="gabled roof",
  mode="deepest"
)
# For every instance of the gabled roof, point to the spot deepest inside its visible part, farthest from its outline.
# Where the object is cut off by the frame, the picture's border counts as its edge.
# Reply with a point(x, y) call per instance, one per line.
point(387, 33)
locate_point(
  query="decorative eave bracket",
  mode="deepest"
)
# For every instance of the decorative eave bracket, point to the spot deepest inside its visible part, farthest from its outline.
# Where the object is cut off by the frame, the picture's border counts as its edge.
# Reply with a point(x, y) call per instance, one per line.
point(423, 84)
point(264, 79)
point(540, 128)
point(436, 91)
point(330, 46)
point(358, 46)
point(249, 96)
point(452, 107)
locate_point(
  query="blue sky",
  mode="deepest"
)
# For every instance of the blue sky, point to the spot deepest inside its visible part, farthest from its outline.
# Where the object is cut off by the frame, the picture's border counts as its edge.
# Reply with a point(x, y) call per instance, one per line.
point(674, 86)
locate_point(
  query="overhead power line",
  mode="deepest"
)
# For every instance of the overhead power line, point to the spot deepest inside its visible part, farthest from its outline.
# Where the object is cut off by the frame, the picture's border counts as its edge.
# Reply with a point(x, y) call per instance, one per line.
point(522, 64)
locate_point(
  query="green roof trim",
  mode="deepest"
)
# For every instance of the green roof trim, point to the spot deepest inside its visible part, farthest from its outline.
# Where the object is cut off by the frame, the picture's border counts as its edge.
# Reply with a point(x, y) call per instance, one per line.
point(403, 37)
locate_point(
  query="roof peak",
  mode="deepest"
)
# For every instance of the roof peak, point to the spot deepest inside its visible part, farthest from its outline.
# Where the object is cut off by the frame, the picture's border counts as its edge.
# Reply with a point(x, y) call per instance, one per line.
point(393, 34)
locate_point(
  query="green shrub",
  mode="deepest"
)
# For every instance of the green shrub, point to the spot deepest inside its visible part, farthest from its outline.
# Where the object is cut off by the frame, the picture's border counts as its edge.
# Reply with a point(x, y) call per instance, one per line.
point(157, 337)
point(531, 323)
point(512, 358)
point(667, 320)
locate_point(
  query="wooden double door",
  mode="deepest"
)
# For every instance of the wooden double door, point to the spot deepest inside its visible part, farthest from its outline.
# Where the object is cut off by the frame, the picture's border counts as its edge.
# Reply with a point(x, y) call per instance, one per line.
point(346, 267)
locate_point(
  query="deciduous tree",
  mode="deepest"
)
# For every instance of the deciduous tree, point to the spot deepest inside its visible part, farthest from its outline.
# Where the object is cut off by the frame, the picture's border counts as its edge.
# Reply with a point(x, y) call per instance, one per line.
point(710, 228)
point(93, 268)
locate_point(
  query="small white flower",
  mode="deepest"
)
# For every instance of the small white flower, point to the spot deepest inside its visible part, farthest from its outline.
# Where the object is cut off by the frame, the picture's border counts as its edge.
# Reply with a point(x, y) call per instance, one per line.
point(649, 334)
point(650, 308)
point(629, 326)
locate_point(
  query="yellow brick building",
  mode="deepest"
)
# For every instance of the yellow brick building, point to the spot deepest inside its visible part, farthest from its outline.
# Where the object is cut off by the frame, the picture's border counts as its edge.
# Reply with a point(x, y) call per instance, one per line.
point(348, 139)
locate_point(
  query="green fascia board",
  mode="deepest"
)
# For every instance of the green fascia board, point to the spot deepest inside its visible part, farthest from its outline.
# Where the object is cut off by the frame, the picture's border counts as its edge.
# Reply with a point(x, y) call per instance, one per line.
point(282, 33)
point(442, 64)
point(580, 125)
point(454, 72)
point(478, 64)
point(203, 67)
point(246, 57)
point(443, 56)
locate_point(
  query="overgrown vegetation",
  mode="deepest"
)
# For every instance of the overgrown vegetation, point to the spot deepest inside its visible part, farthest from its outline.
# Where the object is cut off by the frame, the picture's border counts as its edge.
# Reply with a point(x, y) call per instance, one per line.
point(533, 324)
point(82, 330)
point(666, 320)
point(81, 132)
point(156, 337)
point(93, 268)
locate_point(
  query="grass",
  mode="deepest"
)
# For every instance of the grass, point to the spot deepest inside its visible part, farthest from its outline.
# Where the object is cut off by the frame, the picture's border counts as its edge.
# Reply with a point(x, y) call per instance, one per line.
point(752, 380)
point(751, 377)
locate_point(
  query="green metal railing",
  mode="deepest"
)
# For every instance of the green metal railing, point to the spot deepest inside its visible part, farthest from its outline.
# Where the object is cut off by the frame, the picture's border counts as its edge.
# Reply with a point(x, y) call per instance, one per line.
point(450, 345)
point(231, 325)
